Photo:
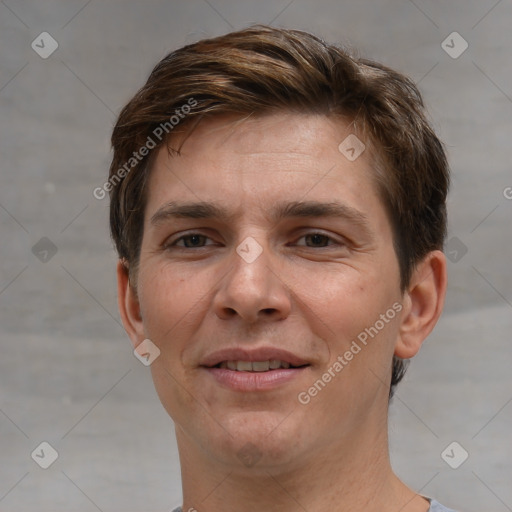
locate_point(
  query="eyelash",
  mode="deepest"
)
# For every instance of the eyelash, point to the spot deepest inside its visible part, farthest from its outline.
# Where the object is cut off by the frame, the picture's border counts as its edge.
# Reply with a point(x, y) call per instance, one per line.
point(190, 235)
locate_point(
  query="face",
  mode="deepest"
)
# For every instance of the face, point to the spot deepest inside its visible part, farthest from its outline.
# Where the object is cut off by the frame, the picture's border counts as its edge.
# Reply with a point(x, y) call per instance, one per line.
point(276, 316)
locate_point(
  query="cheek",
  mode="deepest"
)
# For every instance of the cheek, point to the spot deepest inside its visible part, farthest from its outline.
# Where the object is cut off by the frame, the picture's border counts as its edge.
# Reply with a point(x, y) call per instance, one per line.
point(166, 298)
point(343, 300)
point(170, 303)
point(353, 315)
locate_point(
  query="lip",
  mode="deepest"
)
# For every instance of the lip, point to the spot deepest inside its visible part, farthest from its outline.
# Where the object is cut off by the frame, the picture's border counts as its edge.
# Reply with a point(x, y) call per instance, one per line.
point(254, 381)
point(257, 354)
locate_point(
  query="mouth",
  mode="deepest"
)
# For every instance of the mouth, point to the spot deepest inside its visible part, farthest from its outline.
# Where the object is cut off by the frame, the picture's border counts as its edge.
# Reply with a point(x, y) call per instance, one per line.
point(256, 370)
point(257, 366)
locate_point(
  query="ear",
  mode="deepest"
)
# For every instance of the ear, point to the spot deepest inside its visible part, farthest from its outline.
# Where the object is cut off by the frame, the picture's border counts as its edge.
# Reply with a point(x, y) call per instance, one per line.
point(128, 304)
point(423, 304)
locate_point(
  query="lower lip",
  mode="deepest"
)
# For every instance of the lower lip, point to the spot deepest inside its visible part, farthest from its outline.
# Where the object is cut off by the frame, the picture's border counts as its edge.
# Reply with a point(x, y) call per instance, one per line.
point(254, 381)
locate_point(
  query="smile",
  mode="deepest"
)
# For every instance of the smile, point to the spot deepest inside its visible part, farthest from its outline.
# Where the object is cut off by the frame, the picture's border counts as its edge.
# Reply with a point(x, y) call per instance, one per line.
point(254, 376)
point(256, 366)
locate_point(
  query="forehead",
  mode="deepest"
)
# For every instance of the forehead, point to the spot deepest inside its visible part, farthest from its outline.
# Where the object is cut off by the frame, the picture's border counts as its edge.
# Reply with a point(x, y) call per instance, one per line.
point(257, 161)
point(300, 135)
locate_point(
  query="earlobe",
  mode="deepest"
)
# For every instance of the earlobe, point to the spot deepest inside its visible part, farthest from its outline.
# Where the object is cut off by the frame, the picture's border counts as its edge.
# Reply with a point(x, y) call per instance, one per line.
point(423, 304)
point(128, 303)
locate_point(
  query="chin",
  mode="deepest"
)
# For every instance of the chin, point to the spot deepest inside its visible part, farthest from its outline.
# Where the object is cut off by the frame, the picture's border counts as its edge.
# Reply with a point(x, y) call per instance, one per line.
point(257, 441)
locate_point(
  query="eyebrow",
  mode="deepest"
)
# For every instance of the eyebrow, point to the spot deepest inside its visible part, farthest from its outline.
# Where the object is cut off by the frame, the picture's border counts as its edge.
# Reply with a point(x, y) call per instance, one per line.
point(279, 211)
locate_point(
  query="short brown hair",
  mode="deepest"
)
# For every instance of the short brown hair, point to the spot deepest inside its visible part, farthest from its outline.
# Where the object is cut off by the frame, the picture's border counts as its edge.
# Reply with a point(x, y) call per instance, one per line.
point(261, 70)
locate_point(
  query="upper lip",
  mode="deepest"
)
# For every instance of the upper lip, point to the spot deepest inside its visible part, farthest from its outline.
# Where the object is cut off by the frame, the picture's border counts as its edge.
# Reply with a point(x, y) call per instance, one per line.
point(257, 354)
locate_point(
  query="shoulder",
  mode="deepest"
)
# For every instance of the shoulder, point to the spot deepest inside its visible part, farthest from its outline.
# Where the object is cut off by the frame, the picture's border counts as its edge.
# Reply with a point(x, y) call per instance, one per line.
point(435, 506)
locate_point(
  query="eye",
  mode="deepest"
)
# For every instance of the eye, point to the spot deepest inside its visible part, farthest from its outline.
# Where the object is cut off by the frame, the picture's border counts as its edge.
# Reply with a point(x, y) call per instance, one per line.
point(189, 241)
point(198, 240)
point(318, 239)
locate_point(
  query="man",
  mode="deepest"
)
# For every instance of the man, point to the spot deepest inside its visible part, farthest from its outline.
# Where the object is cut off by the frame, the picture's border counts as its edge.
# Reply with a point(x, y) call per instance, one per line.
point(278, 207)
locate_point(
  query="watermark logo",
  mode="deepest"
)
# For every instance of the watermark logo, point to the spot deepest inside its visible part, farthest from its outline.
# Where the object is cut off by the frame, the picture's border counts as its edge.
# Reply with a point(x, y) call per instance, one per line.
point(146, 352)
point(455, 249)
point(454, 45)
point(45, 455)
point(351, 147)
point(454, 455)
point(249, 249)
point(44, 250)
point(44, 45)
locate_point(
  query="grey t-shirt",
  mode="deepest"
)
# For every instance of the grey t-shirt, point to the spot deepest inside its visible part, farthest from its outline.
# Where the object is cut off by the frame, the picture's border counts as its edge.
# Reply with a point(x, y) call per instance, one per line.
point(435, 506)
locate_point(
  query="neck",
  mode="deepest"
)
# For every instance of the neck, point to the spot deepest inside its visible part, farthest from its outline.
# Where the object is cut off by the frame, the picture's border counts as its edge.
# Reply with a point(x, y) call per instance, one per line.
point(355, 476)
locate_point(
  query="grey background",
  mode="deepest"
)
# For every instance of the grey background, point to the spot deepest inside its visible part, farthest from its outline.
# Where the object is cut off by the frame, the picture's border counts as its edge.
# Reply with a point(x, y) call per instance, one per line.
point(67, 372)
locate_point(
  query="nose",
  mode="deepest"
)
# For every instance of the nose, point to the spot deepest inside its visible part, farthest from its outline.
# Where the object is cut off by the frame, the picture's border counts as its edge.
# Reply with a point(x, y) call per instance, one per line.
point(255, 288)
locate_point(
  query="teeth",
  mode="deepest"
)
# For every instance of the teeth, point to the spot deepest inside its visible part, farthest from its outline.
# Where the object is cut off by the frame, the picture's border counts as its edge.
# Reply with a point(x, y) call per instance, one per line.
point(260, 366)
point(255, 366)
point(244, 366)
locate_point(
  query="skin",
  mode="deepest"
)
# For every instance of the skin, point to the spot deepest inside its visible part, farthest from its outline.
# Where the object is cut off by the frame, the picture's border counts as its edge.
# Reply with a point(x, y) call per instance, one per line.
point(309, 295)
